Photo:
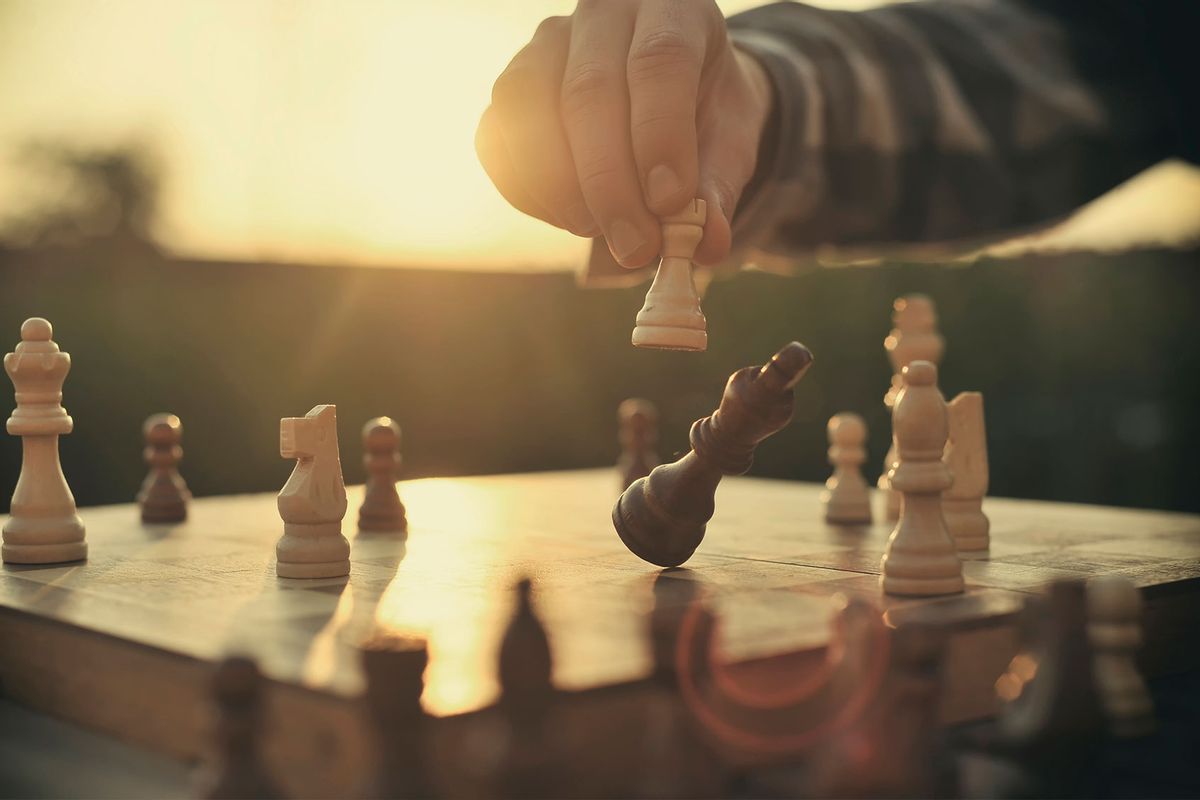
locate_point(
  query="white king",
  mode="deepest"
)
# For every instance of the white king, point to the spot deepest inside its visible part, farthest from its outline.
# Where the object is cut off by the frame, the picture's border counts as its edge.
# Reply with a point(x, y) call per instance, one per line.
point(44, 527)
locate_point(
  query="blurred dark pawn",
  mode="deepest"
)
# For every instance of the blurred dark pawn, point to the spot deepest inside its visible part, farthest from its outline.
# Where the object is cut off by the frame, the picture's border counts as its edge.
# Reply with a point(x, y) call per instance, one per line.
point(381, 509)
point(236, 770)
point(637, 421)
point(395, 672)
point(164, 495)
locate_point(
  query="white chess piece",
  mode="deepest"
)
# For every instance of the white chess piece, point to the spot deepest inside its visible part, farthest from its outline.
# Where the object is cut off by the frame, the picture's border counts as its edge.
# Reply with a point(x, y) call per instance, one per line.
point(914, 337)
point(44, 527)
point(921, 558)
point(313, 501)
point(671, 318)
point(1114, 628)
point(966, 457)
point(846, 498)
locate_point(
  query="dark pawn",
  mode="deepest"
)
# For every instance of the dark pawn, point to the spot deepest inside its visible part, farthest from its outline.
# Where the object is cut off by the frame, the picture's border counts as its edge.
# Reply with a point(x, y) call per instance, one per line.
point(531, 755)
point(1052, 728)
point(381, 509)
point(637, 421)
point(395, 672)
point(661, 518)
point(237, 771)
point(164, 495)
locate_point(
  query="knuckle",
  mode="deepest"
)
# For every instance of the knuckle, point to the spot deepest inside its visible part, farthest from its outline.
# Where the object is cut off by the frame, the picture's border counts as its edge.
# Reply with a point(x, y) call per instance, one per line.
point(552, 27)
point(584, 83)
point(661, 54)
point(509, 87)
point(597, 172)
point(651, 123)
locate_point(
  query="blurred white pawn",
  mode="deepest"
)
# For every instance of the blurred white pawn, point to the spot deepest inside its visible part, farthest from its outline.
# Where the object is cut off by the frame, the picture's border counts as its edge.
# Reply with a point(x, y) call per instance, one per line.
point(846, 498)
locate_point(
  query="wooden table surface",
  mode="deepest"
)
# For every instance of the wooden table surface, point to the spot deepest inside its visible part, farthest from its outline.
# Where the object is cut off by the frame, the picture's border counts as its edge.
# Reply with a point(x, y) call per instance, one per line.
point(112, 642)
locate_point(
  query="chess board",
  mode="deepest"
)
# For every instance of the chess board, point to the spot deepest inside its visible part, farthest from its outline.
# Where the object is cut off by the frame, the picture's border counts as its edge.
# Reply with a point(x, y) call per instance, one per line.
point(124, 642)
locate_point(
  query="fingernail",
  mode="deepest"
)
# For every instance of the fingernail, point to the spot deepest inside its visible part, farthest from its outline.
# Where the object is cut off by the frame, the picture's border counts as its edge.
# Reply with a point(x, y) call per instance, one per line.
point(579, 220)
point(662, 184)
point(624, 240)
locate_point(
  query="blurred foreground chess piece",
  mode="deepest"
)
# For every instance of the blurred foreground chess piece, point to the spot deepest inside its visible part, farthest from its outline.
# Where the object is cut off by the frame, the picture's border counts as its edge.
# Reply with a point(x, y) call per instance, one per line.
point(966, 458)
point(921, 558)
point(1052, 724)
point(671, 318)
point(1115, 632)
point(531, 762)
point(381, 510)
point(44, 527)
point(914, 337)
point(637, 420)
point(846, 499)
point(661, 518)
point(236, 770)
point(313, 501)
point(164, 495)
point(394, 667)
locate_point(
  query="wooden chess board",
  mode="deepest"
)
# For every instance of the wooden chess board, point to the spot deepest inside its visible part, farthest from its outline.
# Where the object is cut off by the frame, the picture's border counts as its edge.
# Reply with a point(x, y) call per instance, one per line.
point(123, 643)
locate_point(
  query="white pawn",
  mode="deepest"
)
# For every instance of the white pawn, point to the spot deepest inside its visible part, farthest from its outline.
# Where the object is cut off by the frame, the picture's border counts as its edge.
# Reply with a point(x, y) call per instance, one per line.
point(313, 501)
point(1114, 628)
point(44, 527)
point(914, 337)
point(921, 558)
point(966, 457)
point(671, 318)
point(846, 498)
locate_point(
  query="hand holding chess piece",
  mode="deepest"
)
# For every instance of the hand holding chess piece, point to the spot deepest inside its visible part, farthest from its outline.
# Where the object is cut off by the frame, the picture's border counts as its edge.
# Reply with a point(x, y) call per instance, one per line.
point(164, 495)
point(44, 527)
point(313, 501)
point(846, 499)
point(661, 518)
point(671, 319)
point(638, 434)
point(921, 558)
point(381, 508)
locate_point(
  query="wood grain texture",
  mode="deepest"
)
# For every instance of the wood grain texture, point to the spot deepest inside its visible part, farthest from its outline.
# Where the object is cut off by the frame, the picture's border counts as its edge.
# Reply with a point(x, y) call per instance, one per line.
point(125, 643)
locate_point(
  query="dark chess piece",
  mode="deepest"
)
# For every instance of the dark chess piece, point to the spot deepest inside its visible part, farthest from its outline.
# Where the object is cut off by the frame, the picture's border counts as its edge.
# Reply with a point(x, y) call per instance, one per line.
point(237, 770)
point(662, 517)
point(531, 760)
point(395, 671)
point(895, 749)
point(1052, 727)
point(637, 420)
point(164, 495)
point(381, 510)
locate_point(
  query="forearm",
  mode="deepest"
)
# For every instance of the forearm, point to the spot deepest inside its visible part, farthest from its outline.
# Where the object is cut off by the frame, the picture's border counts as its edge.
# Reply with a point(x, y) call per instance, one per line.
point(931, 122)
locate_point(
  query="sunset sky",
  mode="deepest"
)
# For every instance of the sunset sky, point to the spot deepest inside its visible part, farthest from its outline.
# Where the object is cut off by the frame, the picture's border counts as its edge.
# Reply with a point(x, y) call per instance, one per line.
point(329, 132)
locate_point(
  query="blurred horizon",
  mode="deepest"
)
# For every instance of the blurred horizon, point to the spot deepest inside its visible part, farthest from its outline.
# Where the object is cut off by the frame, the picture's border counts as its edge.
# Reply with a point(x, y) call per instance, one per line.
point(340, 133)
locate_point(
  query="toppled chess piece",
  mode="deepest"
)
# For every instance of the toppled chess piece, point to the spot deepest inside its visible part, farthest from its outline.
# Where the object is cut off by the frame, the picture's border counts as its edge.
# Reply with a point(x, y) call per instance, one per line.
point(164, 495)
point(381, 509)
point(662, 518)
point(1115, 632)
point(236, 770)
point(637, 420)
point(44, 527)
point(395, 671)
point(914, 337)
point(846, 499)
point(313, 501)
point(921, 558)
point(966, 457)
point(671, 319)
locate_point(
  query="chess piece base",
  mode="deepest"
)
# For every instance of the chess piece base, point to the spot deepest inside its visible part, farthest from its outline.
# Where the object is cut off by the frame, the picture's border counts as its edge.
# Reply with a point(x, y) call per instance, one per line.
point(313, 569)
point(633, 512)
point(661, 337)
point(45, 553)
point(386, 524)
point(967, 524)
point(847, 514)
point(921, 587)
point(164, 514)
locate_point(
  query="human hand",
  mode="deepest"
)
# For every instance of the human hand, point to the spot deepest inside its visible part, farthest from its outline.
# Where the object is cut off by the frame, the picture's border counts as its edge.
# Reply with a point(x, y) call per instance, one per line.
point(622, 113)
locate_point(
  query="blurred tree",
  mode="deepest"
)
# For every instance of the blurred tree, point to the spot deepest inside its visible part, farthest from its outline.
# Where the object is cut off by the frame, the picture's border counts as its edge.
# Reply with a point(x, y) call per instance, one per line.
point(79, 195)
